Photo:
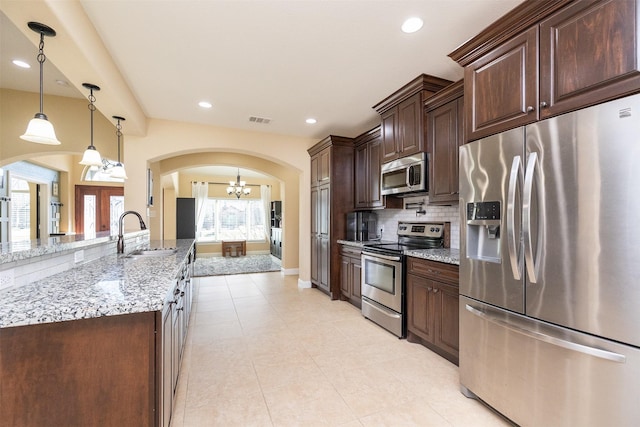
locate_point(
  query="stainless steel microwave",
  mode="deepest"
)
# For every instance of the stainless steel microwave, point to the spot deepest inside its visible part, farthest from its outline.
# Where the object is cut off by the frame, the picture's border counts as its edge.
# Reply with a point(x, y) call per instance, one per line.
point(406, 175)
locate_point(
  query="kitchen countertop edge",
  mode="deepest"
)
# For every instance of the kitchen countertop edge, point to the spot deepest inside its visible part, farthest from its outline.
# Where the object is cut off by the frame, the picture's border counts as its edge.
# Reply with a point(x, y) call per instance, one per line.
point(112, 285)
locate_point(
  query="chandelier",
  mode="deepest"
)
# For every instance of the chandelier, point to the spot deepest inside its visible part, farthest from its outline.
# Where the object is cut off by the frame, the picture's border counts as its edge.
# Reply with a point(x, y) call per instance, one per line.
point(238, 188)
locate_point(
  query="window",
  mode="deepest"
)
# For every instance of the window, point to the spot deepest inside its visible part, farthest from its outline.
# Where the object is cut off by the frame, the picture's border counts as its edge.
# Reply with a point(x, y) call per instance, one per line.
point(229, 219)
point(20, 210)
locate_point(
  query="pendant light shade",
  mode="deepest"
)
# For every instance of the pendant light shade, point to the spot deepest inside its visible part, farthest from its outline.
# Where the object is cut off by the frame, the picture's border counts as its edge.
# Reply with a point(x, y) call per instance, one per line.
point(91, 156)
point(40, 130)
point(118, 170)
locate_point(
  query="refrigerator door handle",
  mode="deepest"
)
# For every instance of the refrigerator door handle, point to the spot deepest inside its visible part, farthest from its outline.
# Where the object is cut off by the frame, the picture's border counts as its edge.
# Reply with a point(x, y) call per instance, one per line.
point(569, 345)
point(532, 267)
point(515, 182)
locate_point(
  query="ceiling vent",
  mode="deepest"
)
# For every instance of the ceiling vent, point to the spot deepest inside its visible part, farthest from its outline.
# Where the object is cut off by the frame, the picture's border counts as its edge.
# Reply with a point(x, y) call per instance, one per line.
point(261, 120)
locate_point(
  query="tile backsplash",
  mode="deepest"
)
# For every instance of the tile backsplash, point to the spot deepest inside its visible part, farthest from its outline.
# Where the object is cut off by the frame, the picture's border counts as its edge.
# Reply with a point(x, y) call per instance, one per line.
point(388, 218)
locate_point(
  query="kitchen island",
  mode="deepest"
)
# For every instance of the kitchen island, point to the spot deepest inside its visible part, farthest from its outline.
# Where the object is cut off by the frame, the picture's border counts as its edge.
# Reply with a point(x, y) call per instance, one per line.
point(98, 344)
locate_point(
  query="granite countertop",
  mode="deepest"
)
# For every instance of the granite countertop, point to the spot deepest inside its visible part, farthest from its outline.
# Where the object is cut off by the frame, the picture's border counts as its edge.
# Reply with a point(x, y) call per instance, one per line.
point(112, 285)
point(448, 256)
point(361, 243)
point(17, 251)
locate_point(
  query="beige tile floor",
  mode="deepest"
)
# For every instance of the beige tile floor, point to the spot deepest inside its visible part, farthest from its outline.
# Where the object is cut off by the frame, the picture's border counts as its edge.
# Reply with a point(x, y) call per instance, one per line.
point(263, 352)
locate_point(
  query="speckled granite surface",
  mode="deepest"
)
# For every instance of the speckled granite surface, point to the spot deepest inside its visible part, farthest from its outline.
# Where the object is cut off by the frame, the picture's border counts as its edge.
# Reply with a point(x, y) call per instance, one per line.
point(449, 256)
point(361, 244)
point(113, 285)
point(17, 251)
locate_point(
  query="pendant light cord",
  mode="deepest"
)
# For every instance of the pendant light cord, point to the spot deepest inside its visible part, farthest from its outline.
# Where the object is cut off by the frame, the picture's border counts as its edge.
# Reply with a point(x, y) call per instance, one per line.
point(41, 58)
point(119, 134)
point(92, 108)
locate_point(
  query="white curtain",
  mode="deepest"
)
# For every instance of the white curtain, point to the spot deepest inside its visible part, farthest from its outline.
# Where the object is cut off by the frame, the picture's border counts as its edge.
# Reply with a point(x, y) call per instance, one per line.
point(200, 192)
point(265, 195)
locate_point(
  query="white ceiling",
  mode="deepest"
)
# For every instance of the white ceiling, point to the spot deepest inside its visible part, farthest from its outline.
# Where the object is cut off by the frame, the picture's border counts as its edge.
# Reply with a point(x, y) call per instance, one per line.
point(283, 60)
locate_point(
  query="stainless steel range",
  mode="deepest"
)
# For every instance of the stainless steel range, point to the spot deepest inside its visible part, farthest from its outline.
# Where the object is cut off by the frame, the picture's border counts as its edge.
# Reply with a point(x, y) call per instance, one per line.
point(383, 264)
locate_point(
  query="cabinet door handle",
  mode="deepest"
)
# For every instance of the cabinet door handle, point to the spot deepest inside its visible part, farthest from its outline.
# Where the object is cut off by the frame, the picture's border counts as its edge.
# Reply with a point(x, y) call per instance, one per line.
point(429, 289)
point(435, 290)
point(530, 109)
point(543, 104)
point(433, 271)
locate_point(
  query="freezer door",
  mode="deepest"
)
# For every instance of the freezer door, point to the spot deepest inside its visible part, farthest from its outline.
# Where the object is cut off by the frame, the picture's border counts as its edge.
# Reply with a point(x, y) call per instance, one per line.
point(538, 374)
point(583, 240)
point(491, 256)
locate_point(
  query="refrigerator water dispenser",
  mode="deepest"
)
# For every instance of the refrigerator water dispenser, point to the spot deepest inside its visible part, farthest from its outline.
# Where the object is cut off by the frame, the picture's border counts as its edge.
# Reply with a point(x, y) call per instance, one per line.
point(483, 231)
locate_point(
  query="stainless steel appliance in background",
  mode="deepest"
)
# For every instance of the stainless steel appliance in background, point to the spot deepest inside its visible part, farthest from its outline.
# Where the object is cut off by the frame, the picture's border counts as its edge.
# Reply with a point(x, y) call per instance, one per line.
point(362, 226)
point(549, 289)
point(404, 176)
point(383, 265)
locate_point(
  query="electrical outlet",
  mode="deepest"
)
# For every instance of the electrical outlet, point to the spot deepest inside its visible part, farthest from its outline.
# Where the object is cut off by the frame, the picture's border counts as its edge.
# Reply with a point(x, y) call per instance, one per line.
point(7, 278)
point(78, 256)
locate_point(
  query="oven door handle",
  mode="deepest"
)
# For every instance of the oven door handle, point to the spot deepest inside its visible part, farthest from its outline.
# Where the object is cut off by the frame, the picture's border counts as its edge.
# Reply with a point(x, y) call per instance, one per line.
point(387, 257)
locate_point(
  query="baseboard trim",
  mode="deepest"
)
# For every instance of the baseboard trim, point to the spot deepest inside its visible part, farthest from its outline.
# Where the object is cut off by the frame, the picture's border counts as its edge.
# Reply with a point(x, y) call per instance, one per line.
point(289, 271)
point(305, 284)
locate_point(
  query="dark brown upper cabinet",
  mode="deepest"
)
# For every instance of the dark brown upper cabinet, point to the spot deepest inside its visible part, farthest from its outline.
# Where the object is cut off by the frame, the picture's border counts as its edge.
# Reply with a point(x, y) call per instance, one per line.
point(368, 153)
point(546, 58)
point(444, 118)
point(402, 118)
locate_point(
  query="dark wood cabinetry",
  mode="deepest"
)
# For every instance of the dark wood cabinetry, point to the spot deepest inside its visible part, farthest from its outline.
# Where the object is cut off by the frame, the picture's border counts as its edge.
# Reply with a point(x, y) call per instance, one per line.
point(118, 370)
point(402, 118)
point(275, 245)
point(332, 174)
point(444, 112)
point(546, 58)
point(351, 274)
point(367, 173)
point(276, 242)
point(432, 306)
point(174, 321)
point(276, 213)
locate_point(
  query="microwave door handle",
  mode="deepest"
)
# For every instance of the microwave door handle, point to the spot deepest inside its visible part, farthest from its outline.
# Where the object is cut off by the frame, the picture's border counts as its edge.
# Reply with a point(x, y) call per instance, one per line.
point(515, 182)
point(408, 176)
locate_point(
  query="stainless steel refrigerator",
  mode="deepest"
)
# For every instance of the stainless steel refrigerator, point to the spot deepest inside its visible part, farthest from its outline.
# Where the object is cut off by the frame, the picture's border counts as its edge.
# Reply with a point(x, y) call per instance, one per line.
point(550, 269)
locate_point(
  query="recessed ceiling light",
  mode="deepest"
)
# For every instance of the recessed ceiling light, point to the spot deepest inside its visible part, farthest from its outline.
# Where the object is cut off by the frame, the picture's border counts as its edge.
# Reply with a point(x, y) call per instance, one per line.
point(311, 121)
point(205, 104)
point(412, 25)
point(21, 64)
point(62, 83)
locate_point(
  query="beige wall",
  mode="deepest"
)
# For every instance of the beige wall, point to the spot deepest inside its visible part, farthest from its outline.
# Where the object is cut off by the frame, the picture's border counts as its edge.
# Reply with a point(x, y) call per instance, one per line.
point(71, 120)
point(283, 157)
point(285, 182)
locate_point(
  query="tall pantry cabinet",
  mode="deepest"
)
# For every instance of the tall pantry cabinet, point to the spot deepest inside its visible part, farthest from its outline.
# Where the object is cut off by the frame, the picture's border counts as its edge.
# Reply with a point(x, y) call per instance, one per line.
point(331, 198)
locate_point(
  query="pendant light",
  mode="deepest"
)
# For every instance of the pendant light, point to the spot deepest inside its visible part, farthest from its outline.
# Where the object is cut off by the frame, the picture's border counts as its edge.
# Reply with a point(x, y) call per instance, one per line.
point(91, 156)
point(40, 130)
point(238, 188)
point(118, 170)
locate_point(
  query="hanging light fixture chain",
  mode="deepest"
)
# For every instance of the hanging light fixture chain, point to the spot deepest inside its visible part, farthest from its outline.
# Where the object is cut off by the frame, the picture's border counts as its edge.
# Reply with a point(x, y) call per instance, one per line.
point(118, 134)
point(92, 108)
point(41, 58)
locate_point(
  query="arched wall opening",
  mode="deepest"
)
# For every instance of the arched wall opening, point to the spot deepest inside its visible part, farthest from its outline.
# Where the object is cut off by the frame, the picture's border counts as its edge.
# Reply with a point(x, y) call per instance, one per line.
point(285, 181)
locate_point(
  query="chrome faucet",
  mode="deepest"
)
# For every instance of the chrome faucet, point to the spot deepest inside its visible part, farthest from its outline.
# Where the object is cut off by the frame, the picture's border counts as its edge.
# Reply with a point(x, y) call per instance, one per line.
point(120, 235)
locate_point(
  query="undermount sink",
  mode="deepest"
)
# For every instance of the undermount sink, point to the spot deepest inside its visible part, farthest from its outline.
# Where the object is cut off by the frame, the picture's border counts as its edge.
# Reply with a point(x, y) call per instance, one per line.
point(158, 252)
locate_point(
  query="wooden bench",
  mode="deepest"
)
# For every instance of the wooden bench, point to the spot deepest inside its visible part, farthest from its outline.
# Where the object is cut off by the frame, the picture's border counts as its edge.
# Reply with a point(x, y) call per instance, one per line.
point(234, 248)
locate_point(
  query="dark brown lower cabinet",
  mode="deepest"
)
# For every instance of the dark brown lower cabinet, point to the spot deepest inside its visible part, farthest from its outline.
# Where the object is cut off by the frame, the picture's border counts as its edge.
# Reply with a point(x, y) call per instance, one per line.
point(90, 372)
point(106, 371)
point(432, 306)
point(350, 275)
